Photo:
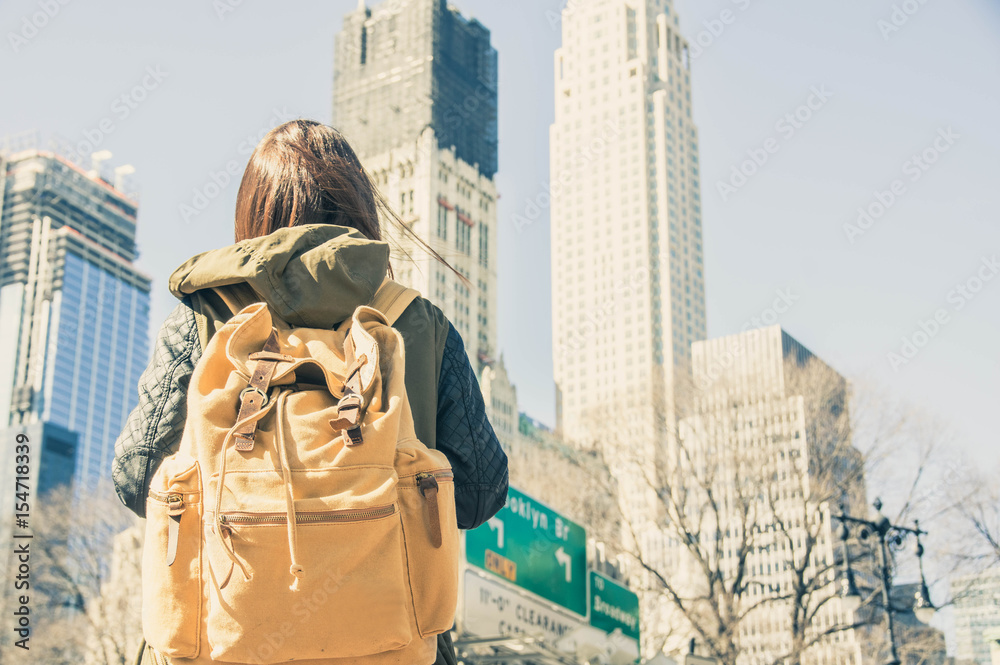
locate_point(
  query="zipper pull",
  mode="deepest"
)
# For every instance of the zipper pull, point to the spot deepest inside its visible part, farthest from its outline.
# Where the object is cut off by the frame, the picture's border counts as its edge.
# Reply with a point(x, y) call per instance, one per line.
point(175, 507)
point(428, 485)
point(227, 538)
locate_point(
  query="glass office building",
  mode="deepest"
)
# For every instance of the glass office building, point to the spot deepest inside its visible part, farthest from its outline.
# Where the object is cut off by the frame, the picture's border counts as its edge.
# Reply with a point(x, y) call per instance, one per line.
point(74, 311)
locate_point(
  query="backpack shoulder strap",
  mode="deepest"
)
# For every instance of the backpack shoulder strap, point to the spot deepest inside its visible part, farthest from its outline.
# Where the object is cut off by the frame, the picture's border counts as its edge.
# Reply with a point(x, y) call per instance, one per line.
point(392, 299)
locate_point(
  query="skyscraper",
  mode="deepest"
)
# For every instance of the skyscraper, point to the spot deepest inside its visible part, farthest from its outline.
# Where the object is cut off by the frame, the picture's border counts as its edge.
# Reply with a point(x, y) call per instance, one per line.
point(628, 289)
point(415, 94)
point(73, 319)
point(73, 308)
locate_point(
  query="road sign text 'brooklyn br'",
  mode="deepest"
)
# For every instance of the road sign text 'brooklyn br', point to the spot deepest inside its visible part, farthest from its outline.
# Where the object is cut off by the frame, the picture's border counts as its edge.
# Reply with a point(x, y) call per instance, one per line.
point(529, 544)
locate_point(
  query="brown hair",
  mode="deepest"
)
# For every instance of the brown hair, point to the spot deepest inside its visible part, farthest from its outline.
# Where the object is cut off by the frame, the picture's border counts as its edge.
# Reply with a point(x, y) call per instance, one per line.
point(304, 172)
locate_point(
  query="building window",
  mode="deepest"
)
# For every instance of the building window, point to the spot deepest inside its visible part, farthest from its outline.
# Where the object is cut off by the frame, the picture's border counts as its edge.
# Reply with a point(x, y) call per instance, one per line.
point(442, 226)
point(484, 239)
point(463, 232)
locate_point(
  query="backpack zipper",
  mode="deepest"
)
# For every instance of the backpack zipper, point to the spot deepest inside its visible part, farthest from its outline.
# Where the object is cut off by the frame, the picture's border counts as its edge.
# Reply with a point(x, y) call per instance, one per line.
point(319, 517)
point(440, 474)
point(172, 499)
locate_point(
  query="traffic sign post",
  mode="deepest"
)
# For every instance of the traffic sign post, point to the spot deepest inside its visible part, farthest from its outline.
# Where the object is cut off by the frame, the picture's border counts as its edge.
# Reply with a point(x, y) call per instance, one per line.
point(613, 606)
point(532, 546)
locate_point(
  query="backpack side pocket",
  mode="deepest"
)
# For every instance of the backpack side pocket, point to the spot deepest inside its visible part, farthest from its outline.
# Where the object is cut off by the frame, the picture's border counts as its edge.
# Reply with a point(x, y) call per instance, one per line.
point(430, 532)
point(171, 560)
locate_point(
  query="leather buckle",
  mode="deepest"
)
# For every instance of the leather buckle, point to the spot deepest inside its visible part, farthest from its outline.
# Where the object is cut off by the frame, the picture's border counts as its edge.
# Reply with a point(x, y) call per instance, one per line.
point(263, 395)
point(348, 414)
point(349, 399)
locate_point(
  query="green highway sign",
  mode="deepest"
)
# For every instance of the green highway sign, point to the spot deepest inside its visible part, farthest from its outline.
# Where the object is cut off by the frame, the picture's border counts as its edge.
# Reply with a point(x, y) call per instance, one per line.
point(534, 547)
point(613, 606)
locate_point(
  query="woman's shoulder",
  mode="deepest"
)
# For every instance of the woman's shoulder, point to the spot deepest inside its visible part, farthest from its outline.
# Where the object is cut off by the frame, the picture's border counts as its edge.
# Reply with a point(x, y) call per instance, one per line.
point(182, 314)
point(424, 319)
point(178, 325)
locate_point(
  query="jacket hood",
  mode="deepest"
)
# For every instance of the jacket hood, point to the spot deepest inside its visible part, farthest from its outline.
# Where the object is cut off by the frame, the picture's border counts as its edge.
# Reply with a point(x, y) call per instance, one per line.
point(311, 276)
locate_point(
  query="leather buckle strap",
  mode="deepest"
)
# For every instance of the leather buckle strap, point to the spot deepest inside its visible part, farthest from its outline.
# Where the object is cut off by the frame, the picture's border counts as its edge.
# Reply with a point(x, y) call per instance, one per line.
point(354, 437)
point(428, 486)
point(353, 380)
point(253, 398)
point(252, 389)
point(270, 355)
point(351, 405)
point(349, 418)
point(348, 411)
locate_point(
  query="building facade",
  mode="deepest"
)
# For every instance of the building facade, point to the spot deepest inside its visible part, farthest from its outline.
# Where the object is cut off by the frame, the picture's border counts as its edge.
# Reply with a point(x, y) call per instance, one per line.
point(768, 434)
point(415, 94)
point(977, 612)
point(74, 324)
point(72, 304)
point(627, 269)
point(500, 397)
point(992, 636)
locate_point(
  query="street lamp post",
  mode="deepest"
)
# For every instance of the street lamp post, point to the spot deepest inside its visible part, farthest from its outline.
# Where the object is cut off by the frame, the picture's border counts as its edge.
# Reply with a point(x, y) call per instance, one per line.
point(888, 534)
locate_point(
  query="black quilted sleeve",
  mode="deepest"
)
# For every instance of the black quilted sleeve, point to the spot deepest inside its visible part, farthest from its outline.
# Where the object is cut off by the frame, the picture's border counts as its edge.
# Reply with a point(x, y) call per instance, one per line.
point(153, 429)
point(465, 436)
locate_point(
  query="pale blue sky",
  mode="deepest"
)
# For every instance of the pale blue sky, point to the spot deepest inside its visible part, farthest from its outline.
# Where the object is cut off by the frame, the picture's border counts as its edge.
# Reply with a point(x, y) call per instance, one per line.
point(223, 79)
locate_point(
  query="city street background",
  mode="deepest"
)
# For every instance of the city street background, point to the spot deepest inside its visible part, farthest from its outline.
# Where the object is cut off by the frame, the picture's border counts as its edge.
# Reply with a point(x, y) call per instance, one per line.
point(845, 173)
point(231, 69)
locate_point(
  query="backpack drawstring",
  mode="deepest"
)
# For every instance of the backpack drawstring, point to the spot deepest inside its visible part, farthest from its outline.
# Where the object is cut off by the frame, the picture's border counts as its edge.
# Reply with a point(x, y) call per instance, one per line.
point(219, 523)
point(296, 569)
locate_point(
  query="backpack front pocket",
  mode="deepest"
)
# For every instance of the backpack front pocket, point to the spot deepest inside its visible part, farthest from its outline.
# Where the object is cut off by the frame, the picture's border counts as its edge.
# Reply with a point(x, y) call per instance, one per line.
point(348, 600)
point(431, 536)
point(171, 560)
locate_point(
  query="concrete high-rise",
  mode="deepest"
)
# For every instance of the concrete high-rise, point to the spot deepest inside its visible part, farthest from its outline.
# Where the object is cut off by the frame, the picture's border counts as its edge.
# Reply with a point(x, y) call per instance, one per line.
point(415, 93)
point(628, 289)
point(74, 309)
point(768, 438)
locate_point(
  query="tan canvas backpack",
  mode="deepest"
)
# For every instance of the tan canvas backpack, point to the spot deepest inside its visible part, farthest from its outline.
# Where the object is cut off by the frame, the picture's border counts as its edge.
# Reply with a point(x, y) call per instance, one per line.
point(301, 520)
